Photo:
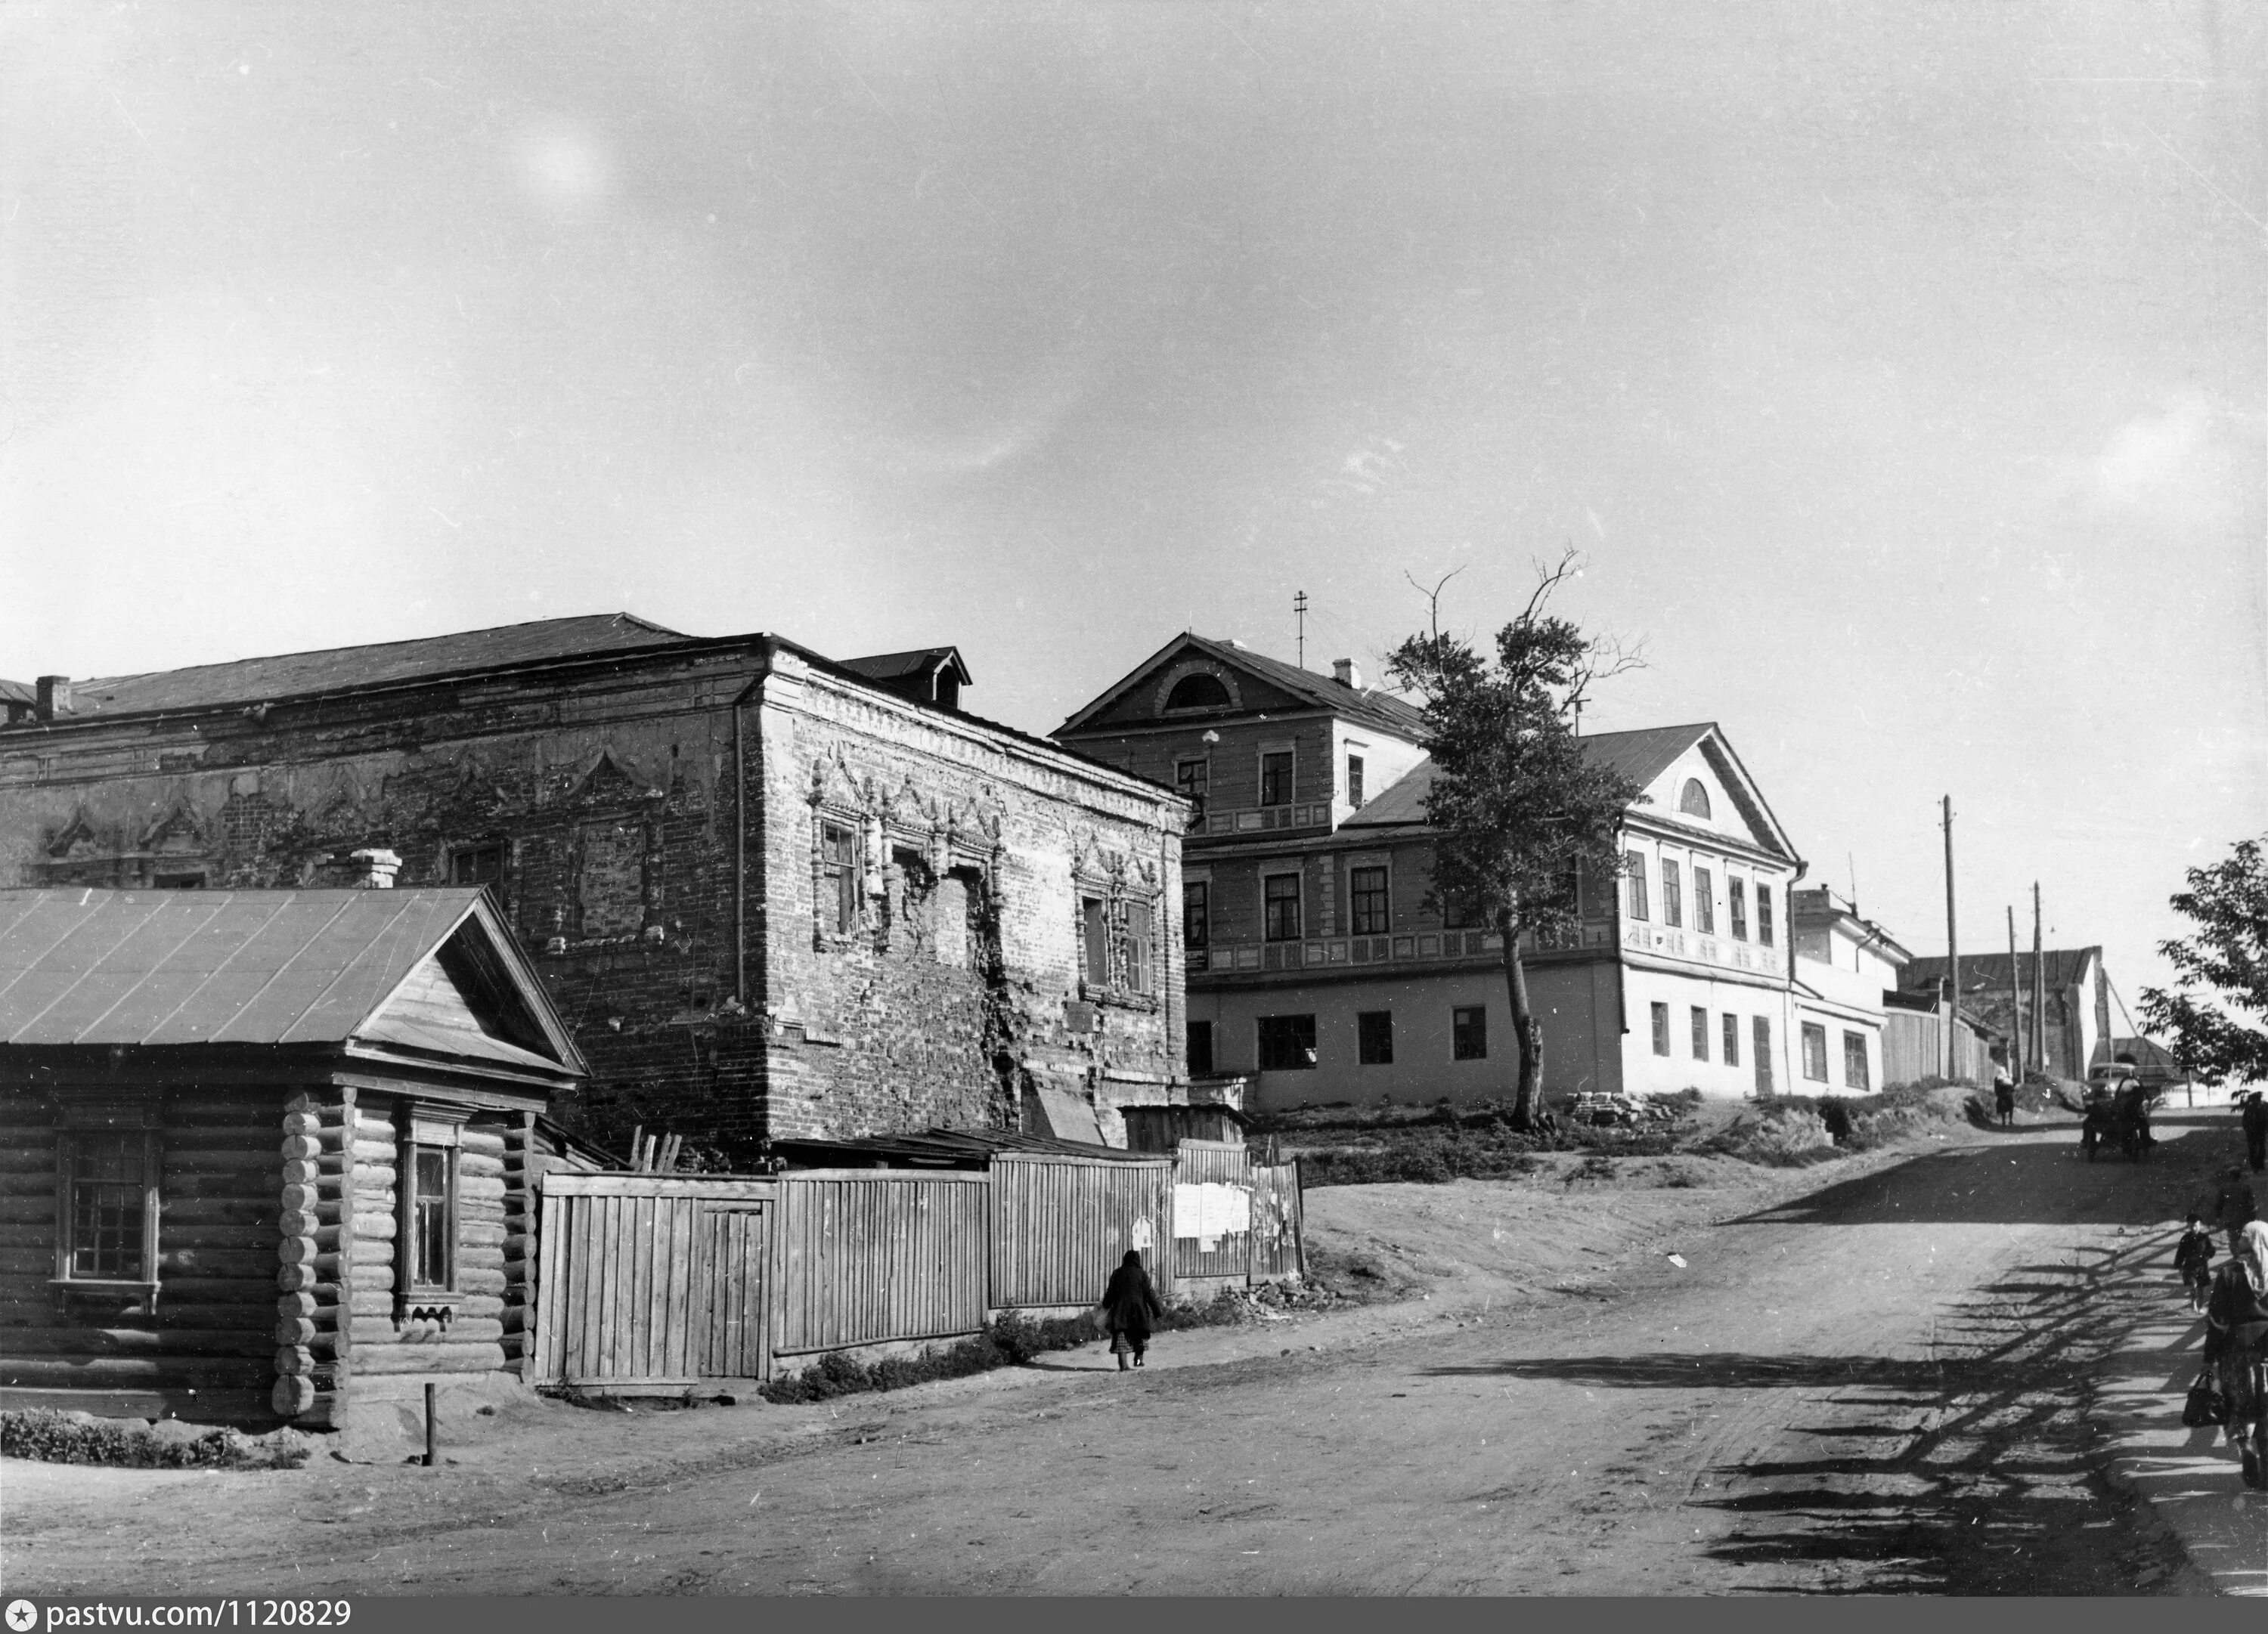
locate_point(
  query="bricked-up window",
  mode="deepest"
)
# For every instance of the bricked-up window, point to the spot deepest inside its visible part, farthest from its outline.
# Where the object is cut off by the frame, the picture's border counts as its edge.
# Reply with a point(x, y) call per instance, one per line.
point(1662, 1029)
point(1354, 781)
point(110, 1206)
point(1134, 948)
point(1673, 898)
point(1468, 1033)
point(1366, 901)
point(1700, 1019)
point(1196, 922)
point(1094, 927)
point(477, 865)
point(426, 1194)
point(1761, 1037)
point(1737, 894)
point(1763, 914)
point(1200, 1045)
point(1704, 903)
point(1374, 1038)
point(1731, 1040)
point(1854, 1061)
point(1287, 1043)
point(838, 855)
point(1280, 896)
point(1814, 1052)
point(1634, 871)
point(1276, 778)
point(1194, 780)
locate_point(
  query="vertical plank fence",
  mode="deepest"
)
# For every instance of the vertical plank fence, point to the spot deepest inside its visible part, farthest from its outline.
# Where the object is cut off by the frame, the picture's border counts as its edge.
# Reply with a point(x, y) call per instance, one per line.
point(1278, 1249)
point(865, 1255)
point(1213, 1210)
point(1060, 1226)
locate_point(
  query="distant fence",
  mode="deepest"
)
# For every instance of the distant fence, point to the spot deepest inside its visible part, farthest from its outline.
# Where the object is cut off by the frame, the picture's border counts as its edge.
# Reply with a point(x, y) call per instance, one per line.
point(655, 1282)
point(1913, 1048)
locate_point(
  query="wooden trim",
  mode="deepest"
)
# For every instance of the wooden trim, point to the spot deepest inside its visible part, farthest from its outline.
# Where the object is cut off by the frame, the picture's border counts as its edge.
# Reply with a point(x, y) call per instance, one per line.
point(414, 1087)
point(720, 1189)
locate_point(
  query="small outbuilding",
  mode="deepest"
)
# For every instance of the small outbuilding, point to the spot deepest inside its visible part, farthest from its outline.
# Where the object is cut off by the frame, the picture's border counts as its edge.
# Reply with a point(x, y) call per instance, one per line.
point(269, 1155)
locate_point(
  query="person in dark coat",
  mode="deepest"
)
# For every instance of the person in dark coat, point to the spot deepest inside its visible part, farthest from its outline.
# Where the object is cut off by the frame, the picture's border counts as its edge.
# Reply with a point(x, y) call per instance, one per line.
point(2256, 1130)
point(2193, 1262)
point(2236, 1347)
point(2004, 1099)
point(1128, 1305)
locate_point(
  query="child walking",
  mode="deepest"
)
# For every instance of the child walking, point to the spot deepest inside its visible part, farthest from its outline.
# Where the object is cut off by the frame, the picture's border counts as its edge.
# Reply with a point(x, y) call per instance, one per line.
point(2193, 1262)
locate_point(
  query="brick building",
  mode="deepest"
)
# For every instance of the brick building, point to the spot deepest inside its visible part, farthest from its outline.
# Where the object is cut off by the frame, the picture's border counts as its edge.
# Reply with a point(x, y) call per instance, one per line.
point(773, 894)
point(1316, 964)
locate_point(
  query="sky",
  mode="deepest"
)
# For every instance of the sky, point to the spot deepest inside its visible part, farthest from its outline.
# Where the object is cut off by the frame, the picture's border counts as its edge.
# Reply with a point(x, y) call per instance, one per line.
point(1898, 369)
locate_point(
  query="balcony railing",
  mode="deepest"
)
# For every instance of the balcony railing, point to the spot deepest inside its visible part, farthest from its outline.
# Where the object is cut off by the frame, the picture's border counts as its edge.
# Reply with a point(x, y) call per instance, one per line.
point(1264, 819)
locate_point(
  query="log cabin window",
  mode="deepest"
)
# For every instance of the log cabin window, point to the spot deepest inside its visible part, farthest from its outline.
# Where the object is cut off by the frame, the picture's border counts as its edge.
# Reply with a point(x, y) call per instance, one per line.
point(109, 1226)
point(838, 862)
point(426, 1187)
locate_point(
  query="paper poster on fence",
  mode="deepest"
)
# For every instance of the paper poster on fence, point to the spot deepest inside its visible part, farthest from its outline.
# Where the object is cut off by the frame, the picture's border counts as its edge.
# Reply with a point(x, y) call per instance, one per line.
point(1210, 1212)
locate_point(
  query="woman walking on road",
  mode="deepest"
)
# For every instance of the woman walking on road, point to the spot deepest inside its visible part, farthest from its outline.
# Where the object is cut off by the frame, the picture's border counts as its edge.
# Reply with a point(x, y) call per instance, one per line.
point(2236, 1339)
point(1127, 1305)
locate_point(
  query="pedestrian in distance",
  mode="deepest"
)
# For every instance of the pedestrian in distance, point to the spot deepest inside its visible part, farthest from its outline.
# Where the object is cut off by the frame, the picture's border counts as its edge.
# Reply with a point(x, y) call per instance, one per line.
point(1129, 1305)
point(2193, 1262)
point(2256, 1130)
point(2237, 1343)
point(2004, 1098)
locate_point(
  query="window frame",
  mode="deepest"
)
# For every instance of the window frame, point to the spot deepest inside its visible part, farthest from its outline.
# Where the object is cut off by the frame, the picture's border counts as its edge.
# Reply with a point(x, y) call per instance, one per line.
point(1197, 789)
point(1763, 915)
point(843, 865)
point(1638, 908)
point(1815, 1034)
point(1698, 1024)
point(1760, 1042)
point(1282, 785)
point(1673, 895)
point(1468, 1033)
point(1373, 1045)
point(1284, 1025)
point(1196, 922)
point(460, 854)
point(1736, 904)
point(1135, 935)
point(1730, 1040)
point(1354, 780)
point(1659, 1017)
point(1864, 1083)
point(132, 1127)
point(1704, 900)
point(1370, 911)
point(1191, 1030)
point(1094, 940)
point(424, 1127)
point(1271, 923)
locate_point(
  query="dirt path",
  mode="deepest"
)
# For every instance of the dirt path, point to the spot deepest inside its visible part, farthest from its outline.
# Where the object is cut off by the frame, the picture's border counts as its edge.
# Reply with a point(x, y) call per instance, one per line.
point(1873, 1386)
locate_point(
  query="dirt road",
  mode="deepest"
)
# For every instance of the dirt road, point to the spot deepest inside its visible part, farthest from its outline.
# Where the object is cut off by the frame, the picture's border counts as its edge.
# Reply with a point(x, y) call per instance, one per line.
point(1870, 1384)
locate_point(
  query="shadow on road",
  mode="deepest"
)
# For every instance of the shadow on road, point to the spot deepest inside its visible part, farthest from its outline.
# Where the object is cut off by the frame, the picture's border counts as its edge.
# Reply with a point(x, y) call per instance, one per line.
point(2023, 1181)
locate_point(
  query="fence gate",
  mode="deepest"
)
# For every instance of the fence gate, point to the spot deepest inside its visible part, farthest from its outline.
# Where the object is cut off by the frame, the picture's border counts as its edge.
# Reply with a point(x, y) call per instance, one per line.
point(1278, 1251)
point(1212, 1209)
point(651, 1282)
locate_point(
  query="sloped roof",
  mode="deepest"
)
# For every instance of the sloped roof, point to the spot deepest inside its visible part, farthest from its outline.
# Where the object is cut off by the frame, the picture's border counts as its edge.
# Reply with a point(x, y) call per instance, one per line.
point(898, 665)
point(86, 966)
point(1642, 756)
point(952, 1146)
point(336, 669)
point(1370, 705)
point(2066, 966)
point(16, 692)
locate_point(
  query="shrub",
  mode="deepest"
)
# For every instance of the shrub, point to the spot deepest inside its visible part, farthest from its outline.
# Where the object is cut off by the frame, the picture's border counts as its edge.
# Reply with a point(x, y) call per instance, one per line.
point(64, 1438)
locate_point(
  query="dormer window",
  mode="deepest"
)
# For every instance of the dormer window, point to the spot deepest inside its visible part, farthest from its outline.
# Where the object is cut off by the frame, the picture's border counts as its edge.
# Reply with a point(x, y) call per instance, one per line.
point(1693, 800)
point(1198, 692)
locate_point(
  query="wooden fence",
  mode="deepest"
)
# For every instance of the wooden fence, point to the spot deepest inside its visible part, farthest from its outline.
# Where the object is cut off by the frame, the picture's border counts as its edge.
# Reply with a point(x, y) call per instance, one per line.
point(1061, 1225)
point(1277, 1225)
point(1913, 1048)
point(1213, 1210)
point(866, 1256)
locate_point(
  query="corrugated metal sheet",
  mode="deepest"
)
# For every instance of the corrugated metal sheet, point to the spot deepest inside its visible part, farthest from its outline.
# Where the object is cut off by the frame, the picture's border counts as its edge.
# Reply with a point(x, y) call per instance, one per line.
point(1277, 1222)
point(649, 1280)
point(1061, 1226)
point(874, 1255)
point(1212, 1209)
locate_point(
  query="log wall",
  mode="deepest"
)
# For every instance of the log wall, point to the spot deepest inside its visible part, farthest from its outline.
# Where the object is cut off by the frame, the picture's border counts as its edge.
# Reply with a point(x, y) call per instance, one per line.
point(207, 1351)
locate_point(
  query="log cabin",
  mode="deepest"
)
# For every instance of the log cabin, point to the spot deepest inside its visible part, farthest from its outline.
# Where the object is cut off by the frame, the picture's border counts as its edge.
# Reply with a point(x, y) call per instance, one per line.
point(269, 1156)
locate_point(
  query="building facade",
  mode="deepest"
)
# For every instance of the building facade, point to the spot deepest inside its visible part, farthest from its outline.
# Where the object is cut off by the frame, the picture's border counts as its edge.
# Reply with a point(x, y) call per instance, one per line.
point(1999, 992)
point(772, 894)
point(1316, 966)
point(1843, 966)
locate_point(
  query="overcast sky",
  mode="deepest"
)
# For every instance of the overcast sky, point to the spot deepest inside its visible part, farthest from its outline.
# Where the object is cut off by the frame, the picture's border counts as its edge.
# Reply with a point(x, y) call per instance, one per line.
point(1898, 368)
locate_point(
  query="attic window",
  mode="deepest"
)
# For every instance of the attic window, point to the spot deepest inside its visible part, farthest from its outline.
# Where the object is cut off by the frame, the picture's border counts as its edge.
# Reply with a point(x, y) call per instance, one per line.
point(1198, 692)
point(1693, 800)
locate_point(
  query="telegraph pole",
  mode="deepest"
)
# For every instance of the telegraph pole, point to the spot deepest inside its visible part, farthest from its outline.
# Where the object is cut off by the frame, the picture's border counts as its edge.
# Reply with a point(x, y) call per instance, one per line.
point(1952, 946)
point(2016, 1001)
point(2039, 989)
point(1300, 614)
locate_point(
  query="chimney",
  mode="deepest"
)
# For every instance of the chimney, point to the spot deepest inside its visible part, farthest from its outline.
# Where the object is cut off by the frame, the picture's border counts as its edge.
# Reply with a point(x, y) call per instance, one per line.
point(53, 697)
point(372, 870)
point(1344, 673)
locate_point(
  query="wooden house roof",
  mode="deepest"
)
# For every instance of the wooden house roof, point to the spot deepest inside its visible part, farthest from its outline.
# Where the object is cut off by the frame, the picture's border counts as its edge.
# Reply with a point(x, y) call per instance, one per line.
point(430, 971)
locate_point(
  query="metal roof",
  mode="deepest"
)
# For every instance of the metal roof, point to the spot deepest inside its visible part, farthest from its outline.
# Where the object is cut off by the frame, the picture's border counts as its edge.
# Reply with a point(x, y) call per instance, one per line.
point(337, 669)
point(2066, 966)
point(1642, 756)
point(953, 1145)
point(898, 665)
point(1370, 704)
point(89, 967)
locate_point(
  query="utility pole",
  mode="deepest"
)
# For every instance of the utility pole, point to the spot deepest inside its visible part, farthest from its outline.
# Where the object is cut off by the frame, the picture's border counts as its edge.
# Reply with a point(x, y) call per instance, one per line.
point(2039, 989)
point(1952, 947)
point(2016, 1000)
point(1300, 614)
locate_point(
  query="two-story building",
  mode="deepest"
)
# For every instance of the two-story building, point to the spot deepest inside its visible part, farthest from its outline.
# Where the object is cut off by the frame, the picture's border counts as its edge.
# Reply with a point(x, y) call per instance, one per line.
point(1316, 965)
point(1845, 964)
point(772, 894)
